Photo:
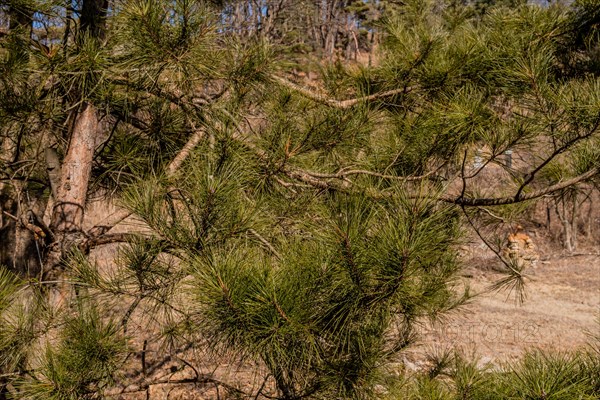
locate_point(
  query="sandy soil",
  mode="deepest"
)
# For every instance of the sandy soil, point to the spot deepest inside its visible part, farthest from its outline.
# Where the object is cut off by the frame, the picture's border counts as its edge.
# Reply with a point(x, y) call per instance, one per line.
point(561, 309)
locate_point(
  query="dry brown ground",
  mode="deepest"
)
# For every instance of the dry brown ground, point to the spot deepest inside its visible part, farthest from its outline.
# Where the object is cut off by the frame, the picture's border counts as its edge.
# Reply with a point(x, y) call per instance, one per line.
point(561, 309)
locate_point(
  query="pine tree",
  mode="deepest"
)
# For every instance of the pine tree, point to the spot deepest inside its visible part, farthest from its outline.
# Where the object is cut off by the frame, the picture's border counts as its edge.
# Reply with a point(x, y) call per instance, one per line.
point(310, 230)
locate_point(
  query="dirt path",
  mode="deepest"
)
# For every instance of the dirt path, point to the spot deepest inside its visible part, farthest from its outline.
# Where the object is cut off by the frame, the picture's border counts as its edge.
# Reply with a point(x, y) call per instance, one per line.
point(561, 309)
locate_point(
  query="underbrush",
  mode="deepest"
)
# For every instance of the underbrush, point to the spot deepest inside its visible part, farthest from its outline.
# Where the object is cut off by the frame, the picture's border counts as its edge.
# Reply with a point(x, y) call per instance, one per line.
point(541, 375)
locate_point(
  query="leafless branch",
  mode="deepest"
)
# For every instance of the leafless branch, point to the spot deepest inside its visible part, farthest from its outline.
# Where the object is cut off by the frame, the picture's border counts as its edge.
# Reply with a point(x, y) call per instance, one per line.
point(202, 379)
point(184, 153)
point(309, 178)
point(520, 197)
point(530, 176)
point(109, 238)
point(341, 104)
point(341, 174)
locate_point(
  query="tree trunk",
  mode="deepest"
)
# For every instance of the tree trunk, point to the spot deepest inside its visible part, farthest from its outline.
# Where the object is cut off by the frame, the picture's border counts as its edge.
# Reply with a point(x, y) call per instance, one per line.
point(67, 216)
point(71, 194)
point(93, 18)
point(21, 17)
point(18, 250)
point(568, 219)
point(590, 218)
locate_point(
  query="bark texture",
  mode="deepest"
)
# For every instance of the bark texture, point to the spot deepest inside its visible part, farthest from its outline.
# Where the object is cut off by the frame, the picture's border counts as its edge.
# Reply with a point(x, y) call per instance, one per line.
point(18, 250)
point(71, 193)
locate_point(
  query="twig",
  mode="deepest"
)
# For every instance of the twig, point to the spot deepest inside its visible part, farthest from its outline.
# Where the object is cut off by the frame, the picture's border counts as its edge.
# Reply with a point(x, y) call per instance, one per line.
point(463, 177)
point(530, 176)
point(280, 311)
point(129, 312)
point(341, 174)
point(109, 238)
point(265, 242)
point(9, 215)
point(498, 201)
point(262, 387)
point(143, 357)
point(147, 371)
point(187, 363)
point(489, 246)
point(203, 379)
point(488, 212)
point(341, 104)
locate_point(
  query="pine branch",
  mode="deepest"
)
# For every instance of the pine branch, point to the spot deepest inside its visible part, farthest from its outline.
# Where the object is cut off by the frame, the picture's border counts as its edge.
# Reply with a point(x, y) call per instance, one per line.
point(530, 176)
point(184, 153)
point(520, 197)
point(341, 104)
point(310, 179)
point(306, 177)
point(171, 169)
point(342, 174)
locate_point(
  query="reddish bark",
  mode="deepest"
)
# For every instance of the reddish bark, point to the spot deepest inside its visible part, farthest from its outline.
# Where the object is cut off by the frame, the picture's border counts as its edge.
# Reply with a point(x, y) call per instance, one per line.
point(68, 212)
point(75, 173)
